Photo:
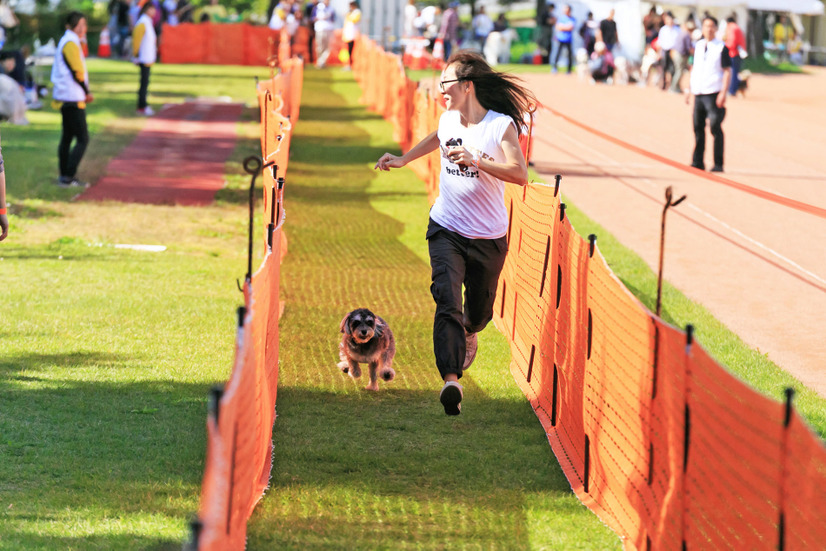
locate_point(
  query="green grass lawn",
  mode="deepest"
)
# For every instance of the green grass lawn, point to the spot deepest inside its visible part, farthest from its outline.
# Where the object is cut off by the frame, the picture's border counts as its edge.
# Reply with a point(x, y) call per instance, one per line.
point(107, 355)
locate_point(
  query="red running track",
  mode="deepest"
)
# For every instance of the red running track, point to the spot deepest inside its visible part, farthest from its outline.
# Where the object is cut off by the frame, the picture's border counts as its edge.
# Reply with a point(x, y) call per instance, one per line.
point(745, 244)
point(177, 158)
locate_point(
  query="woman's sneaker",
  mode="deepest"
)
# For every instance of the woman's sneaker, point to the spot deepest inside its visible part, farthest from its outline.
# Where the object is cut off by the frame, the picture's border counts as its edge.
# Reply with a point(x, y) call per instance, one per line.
point(451, 398)
point(470, 349)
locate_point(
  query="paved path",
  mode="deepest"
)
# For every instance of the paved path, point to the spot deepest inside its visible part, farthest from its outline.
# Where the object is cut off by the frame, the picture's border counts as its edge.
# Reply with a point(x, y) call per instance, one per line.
point(749, 246)
point(177, 159)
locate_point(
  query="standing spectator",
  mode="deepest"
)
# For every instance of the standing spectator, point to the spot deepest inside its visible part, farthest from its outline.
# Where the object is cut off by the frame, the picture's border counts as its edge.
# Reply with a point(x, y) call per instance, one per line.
point(350, 32)
point(482, 25)
point(122, 26)
point(71, 90)
point(795, 49)
point(4, 220)
point(144, 53)
point(410, 15)
point(666, 39)
point(565, 35)
point(780, 36)
point(546, 21)
point(323, 22)
point(449, 30)
point(680, 54)
point(735, 41)
point(501, 24)
point(710, 77)
point(651, 24)
point(309, 22)
point(279, 16)
point(170, 12)
point(588, 32)
point(184, 11)
point(157, 18)
point(478, 136)
point(608, 32)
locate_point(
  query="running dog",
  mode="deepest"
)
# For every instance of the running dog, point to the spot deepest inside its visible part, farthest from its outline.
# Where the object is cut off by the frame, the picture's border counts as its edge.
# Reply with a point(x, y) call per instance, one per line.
point(366, 339)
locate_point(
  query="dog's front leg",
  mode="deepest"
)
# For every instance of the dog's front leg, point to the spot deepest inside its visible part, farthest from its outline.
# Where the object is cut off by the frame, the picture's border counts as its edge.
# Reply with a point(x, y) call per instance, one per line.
point(351, 367)
point(374, 383)
point(347, 364)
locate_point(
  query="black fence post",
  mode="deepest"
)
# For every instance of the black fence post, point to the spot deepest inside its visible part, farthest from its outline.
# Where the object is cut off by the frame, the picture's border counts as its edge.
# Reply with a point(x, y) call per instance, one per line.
point(787, 420)
point(668, 204)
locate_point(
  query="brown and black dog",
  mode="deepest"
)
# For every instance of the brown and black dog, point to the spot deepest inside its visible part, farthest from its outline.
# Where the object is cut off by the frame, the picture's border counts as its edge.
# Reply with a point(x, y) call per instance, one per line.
point(367, 339)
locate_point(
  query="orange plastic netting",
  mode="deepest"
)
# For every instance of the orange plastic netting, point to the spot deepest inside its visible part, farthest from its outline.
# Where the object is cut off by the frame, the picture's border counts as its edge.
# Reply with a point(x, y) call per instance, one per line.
point(239, 430)
point(657, 438)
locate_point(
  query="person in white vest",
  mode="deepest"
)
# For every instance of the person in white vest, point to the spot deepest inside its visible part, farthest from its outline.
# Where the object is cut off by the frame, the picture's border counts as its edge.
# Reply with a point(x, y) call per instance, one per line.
point(71, 92)
point(710, 77)
point(478, 137)
point(144, 53)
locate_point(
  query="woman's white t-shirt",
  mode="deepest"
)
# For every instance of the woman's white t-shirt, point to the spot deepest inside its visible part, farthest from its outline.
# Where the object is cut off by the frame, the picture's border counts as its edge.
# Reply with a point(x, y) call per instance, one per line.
point(472, 202)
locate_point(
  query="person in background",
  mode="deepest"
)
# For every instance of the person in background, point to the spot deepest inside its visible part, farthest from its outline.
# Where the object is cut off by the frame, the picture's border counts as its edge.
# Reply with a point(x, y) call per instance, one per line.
point(144, 53)
point(680, 54)
point(501, 24)
point(735, 41)
point(170, 12)
point(651, 24)
point(309, 22)
point(410, 15)
point(780, 36)
point(710, 77)
point(478, 136)
point(608, 32)
point(71, 93)
point(482, 25)
point(588, 31)
point(546, 22)
point(4, 219)
point(795, 48)
point(666, 39)
point(323, 23)
point(350, 32)
point(185, 11)
point(565, 35)
point(449, 29)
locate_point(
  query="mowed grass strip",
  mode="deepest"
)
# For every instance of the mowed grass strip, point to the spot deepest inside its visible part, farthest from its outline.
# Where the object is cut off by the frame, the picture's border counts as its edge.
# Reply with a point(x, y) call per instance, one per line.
point(360, 470)
point(107, 355)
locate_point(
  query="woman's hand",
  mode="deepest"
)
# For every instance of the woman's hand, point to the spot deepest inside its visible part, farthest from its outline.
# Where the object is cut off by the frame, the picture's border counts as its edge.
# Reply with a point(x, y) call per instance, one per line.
point(461, 156)
point(388, 161)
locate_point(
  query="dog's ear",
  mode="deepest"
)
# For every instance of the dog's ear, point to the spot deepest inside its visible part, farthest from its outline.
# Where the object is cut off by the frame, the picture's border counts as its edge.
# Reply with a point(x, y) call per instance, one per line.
point(345, 324)
point(380, 326)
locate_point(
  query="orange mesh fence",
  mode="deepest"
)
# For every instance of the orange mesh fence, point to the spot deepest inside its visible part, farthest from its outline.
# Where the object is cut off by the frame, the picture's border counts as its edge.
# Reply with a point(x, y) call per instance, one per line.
point(239, 427)
point(226, 44)
point(660, 441)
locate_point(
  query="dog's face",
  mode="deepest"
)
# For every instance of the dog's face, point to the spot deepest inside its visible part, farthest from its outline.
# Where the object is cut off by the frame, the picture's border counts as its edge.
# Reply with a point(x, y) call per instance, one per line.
point(360, 325)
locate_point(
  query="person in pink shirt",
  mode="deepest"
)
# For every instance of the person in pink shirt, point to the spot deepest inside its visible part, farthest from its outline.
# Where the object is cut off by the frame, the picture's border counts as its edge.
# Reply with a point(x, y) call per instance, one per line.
point(735, 40)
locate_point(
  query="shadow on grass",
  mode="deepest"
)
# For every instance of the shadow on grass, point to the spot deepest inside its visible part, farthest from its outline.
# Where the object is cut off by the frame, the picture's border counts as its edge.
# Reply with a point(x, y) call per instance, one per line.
point(80, 451)
point(392, 467)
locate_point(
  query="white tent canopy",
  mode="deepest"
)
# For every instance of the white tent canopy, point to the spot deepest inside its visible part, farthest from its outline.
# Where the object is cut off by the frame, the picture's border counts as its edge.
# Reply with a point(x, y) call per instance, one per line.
point(800, 7)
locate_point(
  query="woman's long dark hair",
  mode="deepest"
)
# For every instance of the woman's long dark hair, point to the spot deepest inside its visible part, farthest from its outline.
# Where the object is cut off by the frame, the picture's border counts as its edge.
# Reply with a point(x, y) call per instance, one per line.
point(496, 91)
